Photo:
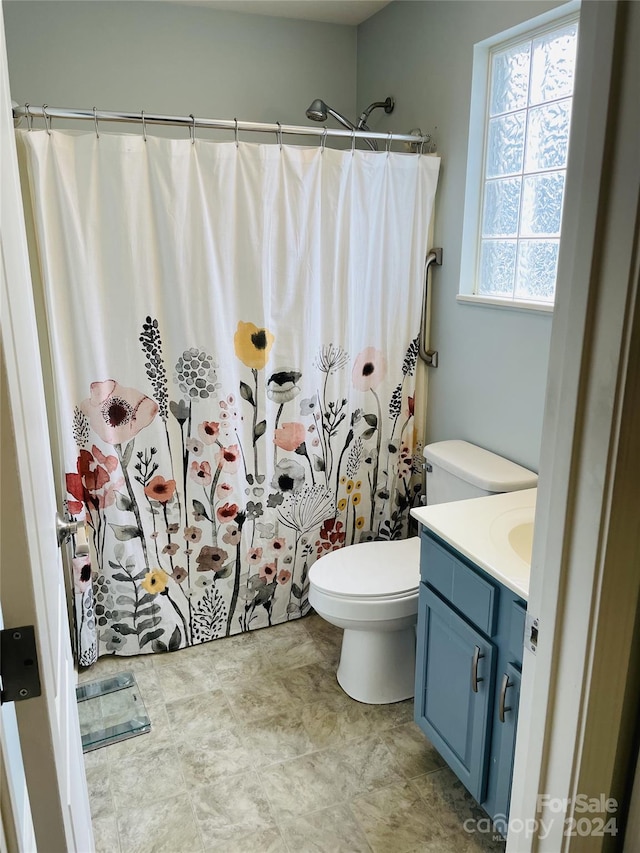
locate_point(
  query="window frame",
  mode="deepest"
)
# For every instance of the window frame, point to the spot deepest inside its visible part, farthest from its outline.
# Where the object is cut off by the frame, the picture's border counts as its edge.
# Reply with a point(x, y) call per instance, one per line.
point(476, 155)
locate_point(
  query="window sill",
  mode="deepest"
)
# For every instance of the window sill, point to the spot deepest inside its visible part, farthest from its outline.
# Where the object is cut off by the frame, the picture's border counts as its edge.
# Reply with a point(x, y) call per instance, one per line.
point(508, 304)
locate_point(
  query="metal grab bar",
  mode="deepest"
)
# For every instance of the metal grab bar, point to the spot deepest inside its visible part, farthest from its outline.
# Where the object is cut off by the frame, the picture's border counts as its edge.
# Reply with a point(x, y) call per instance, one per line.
point(430, 357)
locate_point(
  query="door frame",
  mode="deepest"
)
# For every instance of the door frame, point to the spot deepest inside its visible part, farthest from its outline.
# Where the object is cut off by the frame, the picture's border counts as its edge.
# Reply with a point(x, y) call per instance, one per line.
point(48, 725)
point(576, 725)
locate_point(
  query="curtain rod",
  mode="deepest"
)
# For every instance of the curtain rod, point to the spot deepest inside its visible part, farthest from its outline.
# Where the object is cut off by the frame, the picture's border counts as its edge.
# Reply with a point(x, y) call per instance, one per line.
point(47, 113)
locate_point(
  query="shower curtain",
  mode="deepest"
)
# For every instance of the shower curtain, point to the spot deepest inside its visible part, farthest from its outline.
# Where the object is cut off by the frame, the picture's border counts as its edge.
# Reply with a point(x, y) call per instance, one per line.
point(233, 335)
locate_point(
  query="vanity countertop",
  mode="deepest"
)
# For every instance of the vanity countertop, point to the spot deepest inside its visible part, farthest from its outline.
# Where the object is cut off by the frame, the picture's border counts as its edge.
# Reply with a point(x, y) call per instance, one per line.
point(494, 532)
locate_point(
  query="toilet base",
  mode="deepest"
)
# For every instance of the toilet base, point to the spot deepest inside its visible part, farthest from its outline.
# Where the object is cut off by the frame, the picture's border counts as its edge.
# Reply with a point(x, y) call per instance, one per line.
point(378, 667)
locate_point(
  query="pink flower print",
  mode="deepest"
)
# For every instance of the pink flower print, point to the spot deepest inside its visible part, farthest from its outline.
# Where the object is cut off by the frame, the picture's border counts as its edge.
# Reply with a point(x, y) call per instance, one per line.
point(232, 536)
point(289, 436)
point(284, 577)
point(369, 370)
point(228, 458)
point(159, 489)
point(254, 555)
point(267, 571)
point(173, 528)
point(211, 559)
point(170, 549)
point(117, 414)
point(208, 431)
point(194, 446)
point(200, 472)
point(192, 534)
point(224, 490)
point(227, 512)
point(81, 574)
point(278, 545)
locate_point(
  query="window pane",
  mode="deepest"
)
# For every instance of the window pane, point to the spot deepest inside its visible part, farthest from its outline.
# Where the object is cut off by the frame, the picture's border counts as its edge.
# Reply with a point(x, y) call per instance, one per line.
point(548, 136)
point(537, 269)
point(542, 205)
point(553, 64)
point(505, 144)
point(497, 267)
point(501, 208)
point(510, 79)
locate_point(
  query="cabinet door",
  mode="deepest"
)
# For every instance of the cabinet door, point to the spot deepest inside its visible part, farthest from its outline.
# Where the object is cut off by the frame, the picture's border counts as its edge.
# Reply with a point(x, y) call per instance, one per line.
point(454, 689)
point(508, 697)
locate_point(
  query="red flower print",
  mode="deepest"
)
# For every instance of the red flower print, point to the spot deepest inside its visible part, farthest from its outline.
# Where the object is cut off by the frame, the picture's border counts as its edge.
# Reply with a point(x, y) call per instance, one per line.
point(278, 544)
point(369, 369)
point(228, 458)
point(284, 576)
point(227, 512)
point(92, 485)
point(200, 472)
point(289, 436)
point(159, 489)
point(117, 414)
point(208, 431)
point(332, 536)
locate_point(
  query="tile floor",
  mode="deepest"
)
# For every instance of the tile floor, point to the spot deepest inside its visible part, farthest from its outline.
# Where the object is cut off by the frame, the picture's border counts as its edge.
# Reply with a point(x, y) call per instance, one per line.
point(254, 748)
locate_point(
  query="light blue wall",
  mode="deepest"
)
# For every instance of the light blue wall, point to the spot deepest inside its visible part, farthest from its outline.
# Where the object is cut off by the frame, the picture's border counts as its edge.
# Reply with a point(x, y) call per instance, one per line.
point(179, 59)
point(489, 387)
point(164, 57)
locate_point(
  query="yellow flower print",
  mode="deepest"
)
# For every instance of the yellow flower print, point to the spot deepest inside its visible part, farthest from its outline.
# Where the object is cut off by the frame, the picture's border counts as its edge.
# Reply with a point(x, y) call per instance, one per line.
point(155, 581)
point(356, 498)
point(342, 505)
point(343, 480)
point(360, 522)
point(252, 345)
point(349, 487)
point(358, 485)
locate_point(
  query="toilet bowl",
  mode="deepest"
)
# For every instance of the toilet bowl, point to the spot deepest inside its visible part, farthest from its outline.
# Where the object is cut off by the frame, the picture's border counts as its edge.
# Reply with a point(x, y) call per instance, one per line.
point(370, 590)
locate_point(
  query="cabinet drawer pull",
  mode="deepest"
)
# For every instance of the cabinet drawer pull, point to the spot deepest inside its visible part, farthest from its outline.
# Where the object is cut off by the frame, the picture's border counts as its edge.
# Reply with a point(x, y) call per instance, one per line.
point(474, 669)
point(503, 695)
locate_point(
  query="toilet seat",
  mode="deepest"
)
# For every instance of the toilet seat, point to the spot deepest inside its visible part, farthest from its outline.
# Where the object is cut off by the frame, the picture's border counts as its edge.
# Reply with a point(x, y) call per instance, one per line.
point(376, 571)
point(357, 584)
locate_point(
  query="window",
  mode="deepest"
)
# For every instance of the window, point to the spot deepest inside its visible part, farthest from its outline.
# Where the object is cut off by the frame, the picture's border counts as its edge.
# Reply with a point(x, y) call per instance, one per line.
point(515, 190)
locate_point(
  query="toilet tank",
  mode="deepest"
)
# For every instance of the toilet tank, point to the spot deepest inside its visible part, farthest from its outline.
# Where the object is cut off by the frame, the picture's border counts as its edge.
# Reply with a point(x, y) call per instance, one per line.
point(457, 470)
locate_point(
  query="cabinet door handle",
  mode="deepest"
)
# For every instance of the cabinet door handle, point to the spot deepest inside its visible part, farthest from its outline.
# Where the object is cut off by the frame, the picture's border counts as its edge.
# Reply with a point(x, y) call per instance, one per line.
point(503, 695)
point(474, 669)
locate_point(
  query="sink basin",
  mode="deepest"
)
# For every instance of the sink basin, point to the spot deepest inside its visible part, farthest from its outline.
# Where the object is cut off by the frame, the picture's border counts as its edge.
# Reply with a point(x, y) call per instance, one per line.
point(520, 538)
point(512, 532)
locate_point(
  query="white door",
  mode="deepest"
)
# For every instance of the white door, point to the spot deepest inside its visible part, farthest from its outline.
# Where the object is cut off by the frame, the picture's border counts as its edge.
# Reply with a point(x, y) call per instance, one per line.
point(32, 577)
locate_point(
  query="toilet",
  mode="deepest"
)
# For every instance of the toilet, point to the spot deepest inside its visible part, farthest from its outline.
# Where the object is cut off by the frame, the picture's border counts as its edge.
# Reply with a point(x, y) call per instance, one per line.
point(370, 590)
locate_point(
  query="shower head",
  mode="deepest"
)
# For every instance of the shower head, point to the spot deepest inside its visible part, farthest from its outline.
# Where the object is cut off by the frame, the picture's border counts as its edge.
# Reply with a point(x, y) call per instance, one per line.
point(318, 111)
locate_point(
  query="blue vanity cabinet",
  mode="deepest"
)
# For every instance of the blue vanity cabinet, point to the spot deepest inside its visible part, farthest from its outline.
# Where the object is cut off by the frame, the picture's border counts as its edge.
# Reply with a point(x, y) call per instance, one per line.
point(469, 656)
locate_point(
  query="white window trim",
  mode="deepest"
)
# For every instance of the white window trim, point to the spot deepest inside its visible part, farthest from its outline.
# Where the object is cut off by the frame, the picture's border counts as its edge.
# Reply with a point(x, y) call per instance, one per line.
point(476, 154)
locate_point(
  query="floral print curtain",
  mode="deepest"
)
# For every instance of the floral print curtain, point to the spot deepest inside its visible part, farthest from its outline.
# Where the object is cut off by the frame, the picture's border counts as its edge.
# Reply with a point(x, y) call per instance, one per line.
point(233, 339)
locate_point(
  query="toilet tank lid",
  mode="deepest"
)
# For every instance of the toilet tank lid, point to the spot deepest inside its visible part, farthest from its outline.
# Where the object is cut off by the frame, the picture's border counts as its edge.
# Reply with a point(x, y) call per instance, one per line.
point(480, 467)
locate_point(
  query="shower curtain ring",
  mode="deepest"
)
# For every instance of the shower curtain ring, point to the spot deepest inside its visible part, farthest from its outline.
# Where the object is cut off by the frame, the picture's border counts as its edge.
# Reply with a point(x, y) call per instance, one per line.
point(192, 129)
point(144, 126)
point(279, 134)
point(29, 117)
point(389, 142)
point(236, 132)
point(324, 139)
point(95, 121)
point(353, 141)
point(47, 119)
